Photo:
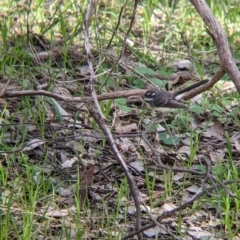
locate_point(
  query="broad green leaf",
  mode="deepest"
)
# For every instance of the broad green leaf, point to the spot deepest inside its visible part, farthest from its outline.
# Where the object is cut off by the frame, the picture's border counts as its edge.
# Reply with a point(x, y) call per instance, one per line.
point(121, 103)
point(145, 70)
point(196, 108)
point(169, 140)
point(138, 83)
point(158, 82)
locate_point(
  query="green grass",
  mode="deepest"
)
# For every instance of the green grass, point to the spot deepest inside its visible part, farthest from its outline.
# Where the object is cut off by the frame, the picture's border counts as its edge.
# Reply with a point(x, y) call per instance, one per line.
point(31, 181)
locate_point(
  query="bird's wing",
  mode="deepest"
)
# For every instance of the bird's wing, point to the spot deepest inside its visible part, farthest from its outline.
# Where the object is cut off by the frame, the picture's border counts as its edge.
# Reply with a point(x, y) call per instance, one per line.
point(160, 102)
point(174, 104)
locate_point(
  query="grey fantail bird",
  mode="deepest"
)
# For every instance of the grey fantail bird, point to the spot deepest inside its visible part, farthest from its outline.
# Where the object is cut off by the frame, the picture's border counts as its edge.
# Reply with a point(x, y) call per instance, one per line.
point(166, 101)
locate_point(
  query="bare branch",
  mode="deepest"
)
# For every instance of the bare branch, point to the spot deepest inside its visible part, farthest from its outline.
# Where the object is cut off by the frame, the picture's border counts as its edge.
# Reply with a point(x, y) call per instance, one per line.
point(106, 96)
point(204, 87)
point(227, 63)
point(181, 207)
point(97, 114)
point(132, 184)
point(90, 9)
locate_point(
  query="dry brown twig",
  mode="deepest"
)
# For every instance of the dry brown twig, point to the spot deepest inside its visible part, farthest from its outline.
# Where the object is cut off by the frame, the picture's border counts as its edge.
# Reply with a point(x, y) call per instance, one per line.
point(227, 63)
point(132, 184)
point(204, 87)
point(96, 113)
point(123, 47)
point(106, 96)
point(90, 11)
point(181, 207)
point(3, 90)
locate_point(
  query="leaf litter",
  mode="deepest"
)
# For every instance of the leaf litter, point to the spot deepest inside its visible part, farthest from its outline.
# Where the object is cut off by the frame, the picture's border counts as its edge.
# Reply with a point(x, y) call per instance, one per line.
point(74, 147)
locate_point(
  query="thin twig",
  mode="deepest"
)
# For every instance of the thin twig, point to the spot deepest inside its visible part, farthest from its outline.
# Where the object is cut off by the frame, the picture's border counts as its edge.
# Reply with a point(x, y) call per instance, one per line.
point(132, 184)
point(97, 114)
point(125, 39)
point(218, 75)
point(93, 79)
point(181, 207)
point(106, 96)
point(5, 87)
point(227, 63)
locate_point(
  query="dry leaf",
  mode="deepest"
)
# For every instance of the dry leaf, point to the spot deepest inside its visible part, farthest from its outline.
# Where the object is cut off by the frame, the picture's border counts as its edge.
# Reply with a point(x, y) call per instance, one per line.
point(126, 129)
point(194, 189)
point(69, 163)
point(53, 212)
point(33, 144)
point(236, 140)
point(178, 176)
point(199, 233)
point(124, 144)
point(185, 150)
point(86, 180)
point(216, 130)
point(138, 165)
point(217, 155)
point(225, 87)
point(151, 232)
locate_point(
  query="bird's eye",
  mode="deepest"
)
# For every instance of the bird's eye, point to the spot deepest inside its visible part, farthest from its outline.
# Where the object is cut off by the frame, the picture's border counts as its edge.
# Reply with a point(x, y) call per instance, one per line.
point(150, 94)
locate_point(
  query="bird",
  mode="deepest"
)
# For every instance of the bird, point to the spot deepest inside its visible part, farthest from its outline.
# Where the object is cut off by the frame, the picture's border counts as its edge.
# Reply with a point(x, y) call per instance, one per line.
point(164, 101)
